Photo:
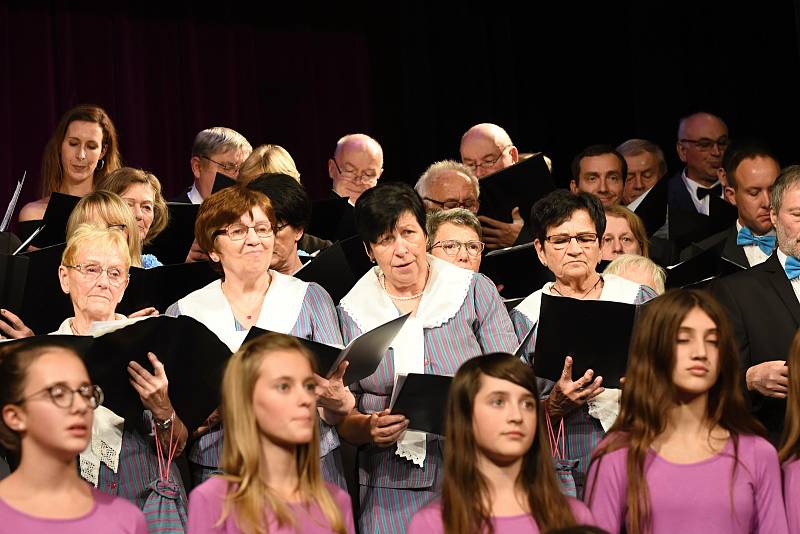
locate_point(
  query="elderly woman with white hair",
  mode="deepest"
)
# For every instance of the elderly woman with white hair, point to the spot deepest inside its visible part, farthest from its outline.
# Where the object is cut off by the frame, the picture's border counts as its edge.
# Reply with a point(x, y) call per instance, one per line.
point(455, 236)
point(639, 269)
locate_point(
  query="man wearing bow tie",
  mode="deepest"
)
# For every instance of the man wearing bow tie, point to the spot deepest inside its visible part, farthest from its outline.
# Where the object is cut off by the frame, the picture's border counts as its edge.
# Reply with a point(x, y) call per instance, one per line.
point(763, 304)
point(750, 170)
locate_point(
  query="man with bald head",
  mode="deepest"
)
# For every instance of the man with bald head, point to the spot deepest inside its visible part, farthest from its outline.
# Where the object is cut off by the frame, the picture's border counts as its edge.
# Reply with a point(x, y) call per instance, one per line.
point(448, 184)
point(356, 165)
point(487, 148)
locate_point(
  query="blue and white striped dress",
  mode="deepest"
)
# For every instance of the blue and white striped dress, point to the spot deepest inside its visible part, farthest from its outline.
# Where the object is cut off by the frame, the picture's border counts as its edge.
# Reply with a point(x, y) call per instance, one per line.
point(471, 321)
point(291, 306)
point(583, 432)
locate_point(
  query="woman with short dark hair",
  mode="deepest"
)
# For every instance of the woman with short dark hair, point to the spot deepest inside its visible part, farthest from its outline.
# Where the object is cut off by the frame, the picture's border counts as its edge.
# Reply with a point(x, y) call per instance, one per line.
point(455, 314)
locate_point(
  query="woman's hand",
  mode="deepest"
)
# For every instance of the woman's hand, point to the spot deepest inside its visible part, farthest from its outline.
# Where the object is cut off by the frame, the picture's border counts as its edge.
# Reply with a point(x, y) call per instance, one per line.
point(12, 326)
point(152, 388)
point(145, 312)
point(386, 429)
point(211, 421)
point(568, 395)
point(333, 396)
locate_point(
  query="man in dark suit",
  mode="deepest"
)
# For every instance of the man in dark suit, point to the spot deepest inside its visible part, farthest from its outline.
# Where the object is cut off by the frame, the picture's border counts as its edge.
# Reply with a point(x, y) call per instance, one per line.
point(750, 170)
point(695, 201)
point(763, 304)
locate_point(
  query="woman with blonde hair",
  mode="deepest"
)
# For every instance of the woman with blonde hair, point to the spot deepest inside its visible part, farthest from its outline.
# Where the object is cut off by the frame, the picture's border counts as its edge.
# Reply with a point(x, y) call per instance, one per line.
point(498, 473)
point(78, 157)
point(141, 191)
point(624, 233)
point(273, 481)
point(789, 452)
point(108, 209)
point(684, 454)
point(268, 159)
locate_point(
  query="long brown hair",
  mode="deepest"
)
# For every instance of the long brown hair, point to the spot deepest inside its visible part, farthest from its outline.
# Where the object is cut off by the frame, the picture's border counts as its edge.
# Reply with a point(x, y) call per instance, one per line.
point(790, 441)
point(465, 494)
point(650, 392)
point(241, 451)
point(52, 170)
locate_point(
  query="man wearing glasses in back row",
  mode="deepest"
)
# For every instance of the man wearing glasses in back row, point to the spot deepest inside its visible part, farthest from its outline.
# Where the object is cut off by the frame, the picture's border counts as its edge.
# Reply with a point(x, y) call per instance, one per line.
point(356, 166)
point(215, 150)
point(487, 148)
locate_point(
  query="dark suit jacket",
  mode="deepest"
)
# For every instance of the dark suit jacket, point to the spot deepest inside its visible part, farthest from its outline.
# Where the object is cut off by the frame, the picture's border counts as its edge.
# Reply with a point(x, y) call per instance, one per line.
point(725, 242)
point(765, 315)
point(183, 197)
point(677, 195)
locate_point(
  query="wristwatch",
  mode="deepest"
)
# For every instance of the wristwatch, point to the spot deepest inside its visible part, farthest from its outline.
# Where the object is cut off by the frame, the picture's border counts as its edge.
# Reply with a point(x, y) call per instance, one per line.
point(164, 424)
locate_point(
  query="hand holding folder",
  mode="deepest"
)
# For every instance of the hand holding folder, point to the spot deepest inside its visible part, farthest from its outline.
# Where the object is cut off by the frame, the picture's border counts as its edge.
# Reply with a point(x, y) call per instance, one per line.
point(422, 398)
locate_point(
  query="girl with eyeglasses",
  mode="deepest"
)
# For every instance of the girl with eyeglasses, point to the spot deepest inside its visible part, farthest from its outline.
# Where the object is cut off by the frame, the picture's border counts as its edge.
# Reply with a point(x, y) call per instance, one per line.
point(47, 404)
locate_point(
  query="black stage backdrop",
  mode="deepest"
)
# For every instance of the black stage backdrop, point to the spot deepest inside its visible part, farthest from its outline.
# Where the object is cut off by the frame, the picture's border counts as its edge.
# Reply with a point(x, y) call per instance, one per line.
point(557, 76)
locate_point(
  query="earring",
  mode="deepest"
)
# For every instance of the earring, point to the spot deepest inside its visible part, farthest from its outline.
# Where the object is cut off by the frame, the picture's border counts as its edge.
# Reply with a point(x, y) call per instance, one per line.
point(100, 164)
point(372, 260)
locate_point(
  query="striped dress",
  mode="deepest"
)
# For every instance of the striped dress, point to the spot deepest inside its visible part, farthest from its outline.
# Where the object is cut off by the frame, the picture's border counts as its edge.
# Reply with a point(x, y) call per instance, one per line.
point(392, 488)
point(291, 306)
point(583, 432)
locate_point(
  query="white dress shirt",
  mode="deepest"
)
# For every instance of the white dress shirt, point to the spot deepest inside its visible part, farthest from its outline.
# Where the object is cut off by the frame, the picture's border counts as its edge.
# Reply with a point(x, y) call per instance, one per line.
point(754, 254)
point(702, 206)
point(194, 195)
point(796, 282)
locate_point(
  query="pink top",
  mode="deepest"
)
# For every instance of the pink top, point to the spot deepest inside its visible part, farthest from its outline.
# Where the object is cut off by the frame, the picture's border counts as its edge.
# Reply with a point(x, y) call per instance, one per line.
point(113, 515)
point(205, 509)
point(696, 497)
point(429, 520)
point(791, 494)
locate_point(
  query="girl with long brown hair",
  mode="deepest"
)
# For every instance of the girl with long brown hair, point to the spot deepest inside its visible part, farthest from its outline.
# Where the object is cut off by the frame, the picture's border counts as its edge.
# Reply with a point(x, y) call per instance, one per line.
point(498, 475)
point(273, 480)
point(789, 452)
point(684, 454)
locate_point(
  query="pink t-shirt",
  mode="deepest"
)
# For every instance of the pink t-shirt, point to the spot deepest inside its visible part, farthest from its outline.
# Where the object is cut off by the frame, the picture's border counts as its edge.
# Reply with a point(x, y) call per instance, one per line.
point(429, 520)
point(791, 494)
point(112, 515)
point(206, 502)
point(696, 497)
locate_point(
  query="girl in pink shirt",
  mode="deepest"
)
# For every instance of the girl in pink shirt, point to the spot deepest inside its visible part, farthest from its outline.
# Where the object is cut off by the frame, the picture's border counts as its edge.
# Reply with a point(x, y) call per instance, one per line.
point(47, 404)
point(498, 471)
point(790, 443)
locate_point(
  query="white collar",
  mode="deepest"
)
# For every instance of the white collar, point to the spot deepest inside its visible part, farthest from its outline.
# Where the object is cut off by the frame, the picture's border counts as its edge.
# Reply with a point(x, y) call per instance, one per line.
point(739, 227)
point(194, 195)
point(638, 200)
point(693, 186)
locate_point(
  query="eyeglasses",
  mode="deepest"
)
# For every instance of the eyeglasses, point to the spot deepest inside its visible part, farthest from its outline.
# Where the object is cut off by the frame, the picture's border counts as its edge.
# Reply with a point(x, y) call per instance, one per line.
point(63, 396)
point(452, 247)
point(228, 167)
point(452, 204)
point(487, 163)
point(279, 227)
point(367, 176)
point(92, 271)
point(560, 241)
point(705, 145)
point(237, 232)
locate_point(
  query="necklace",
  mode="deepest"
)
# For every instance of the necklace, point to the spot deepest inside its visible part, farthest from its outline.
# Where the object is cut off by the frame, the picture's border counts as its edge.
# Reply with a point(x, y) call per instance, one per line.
point(599, 279)
point(382, 278)
point(257, 307)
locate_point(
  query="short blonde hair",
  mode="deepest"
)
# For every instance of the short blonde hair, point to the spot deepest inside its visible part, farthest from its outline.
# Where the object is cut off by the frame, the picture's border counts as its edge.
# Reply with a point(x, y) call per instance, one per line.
point(107, 208)
point(623, 263)
point(93, 233)
point(121, 179)
point(268, 159)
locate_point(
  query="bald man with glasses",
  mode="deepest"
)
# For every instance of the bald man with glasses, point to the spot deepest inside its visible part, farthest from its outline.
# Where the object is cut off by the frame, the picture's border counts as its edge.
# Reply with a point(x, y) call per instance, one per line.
point(356, 165)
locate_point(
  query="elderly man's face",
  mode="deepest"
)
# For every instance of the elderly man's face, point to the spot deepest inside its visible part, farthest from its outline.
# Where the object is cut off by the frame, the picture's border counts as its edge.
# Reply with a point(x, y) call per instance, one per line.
point(485, 157)
point(354, 170)
point(600, 176)
point(451, 189)
point(787, 222)
point(701, 148)
point(643, 173)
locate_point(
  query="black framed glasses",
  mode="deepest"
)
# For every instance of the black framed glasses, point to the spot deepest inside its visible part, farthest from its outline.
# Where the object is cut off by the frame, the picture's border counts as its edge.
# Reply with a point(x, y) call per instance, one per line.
point(63, 396)
point(280, 226)
point(92, 271)
point(452, 247)
point(237, 232)
point(560, 241)
point(488, 162)
point(705, 145)
point(452, 204)
point(366, 176)
point(228, 167)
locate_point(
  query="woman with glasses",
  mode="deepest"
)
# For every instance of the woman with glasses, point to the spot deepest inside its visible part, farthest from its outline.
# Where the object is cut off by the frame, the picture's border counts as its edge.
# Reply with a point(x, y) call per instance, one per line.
point(567, 229)
point(455, 315)
point(47, 403)
point(236, 228)
point(455, 236)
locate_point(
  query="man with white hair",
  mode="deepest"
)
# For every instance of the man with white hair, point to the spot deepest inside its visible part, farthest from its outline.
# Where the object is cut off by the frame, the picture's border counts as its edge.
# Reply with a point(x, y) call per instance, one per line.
point(356, 165)
point(448, 184)
point(487, 148)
